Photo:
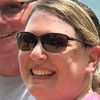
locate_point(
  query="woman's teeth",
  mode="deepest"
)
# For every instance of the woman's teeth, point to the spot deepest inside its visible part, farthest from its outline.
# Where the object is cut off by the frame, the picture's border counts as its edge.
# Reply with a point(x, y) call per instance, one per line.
point(41, 72)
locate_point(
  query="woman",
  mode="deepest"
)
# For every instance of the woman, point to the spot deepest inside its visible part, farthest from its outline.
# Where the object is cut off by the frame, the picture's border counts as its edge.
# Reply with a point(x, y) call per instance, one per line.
point(59, 51)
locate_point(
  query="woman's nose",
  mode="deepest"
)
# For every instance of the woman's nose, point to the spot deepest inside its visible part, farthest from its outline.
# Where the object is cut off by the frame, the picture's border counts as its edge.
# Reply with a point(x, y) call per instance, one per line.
point(38, 53)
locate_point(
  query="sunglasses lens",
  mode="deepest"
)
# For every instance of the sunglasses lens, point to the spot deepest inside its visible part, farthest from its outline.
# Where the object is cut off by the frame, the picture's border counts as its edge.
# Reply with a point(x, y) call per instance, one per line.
point(54, 42)
point(26, 41)
point(12, 9)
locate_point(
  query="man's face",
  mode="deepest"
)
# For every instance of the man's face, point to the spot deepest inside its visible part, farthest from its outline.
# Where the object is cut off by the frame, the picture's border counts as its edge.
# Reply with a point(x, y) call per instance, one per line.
point(13, 16)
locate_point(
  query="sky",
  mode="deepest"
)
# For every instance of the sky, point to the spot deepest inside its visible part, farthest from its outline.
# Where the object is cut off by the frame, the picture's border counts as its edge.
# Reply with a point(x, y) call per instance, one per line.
point(94, 5)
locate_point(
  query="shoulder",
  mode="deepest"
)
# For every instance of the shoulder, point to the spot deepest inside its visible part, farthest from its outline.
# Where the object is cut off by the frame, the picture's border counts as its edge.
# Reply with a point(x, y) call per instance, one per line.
point(92, 96)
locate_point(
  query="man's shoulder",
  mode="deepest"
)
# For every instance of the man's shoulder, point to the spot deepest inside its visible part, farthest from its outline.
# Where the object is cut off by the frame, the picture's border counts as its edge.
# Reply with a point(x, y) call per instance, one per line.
point(31, 98)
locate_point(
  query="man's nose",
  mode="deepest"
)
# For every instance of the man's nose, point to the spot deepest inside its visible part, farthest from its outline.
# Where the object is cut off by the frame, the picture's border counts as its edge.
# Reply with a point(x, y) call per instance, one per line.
point(2, 19)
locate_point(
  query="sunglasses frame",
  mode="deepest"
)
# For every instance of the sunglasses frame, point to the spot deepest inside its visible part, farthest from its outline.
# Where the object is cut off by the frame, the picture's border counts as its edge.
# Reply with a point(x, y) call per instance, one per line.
point(37, 38)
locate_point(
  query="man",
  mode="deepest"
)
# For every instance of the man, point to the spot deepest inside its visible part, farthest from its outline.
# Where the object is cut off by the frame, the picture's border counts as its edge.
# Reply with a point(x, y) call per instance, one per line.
point(13, 16)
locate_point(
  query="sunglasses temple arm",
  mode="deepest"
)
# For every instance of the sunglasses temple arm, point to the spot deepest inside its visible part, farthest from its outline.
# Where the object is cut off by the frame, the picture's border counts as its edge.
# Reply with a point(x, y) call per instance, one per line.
point(85, 43)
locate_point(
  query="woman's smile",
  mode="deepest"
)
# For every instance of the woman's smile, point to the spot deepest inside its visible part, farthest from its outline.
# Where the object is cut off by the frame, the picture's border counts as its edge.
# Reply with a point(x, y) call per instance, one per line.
point(40, 72)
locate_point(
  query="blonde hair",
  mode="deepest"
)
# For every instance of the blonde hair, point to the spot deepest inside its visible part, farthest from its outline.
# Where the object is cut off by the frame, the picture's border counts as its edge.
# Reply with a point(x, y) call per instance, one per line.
point(75, 15)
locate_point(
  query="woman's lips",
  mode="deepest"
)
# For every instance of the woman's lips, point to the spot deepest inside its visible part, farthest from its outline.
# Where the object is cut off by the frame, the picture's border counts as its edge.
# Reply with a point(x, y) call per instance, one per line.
point(41, 72)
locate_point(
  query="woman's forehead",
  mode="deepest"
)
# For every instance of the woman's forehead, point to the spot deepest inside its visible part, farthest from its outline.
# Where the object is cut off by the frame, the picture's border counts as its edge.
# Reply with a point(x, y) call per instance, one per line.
point(48, 23)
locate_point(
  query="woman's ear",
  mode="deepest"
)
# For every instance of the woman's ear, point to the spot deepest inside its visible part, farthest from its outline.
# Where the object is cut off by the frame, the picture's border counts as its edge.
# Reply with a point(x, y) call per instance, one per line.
point(94, 58)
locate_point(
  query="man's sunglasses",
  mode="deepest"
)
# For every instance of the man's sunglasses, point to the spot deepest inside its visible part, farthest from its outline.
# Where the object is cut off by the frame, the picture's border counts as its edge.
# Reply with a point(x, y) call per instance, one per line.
point(10, 9)
point(51, 42)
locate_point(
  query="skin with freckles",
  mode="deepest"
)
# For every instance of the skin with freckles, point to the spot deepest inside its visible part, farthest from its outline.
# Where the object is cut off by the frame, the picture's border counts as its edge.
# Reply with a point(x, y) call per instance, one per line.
point(71, 68)
point(10, 23)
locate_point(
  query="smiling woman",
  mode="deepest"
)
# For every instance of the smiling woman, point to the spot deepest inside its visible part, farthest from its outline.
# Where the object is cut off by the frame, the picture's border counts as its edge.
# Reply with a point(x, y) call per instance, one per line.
point(59, 51)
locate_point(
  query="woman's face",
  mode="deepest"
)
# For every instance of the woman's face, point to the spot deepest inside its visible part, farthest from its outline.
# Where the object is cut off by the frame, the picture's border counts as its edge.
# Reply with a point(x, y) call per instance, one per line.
point(53, 76)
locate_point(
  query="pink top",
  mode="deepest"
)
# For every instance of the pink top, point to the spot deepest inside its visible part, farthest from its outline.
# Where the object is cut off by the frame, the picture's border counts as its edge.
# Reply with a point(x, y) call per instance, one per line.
point(93, 96)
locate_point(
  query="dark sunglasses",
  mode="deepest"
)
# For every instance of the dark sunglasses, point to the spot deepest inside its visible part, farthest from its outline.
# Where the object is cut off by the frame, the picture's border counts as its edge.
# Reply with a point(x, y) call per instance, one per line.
point(51, 42)
point(12, 8)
